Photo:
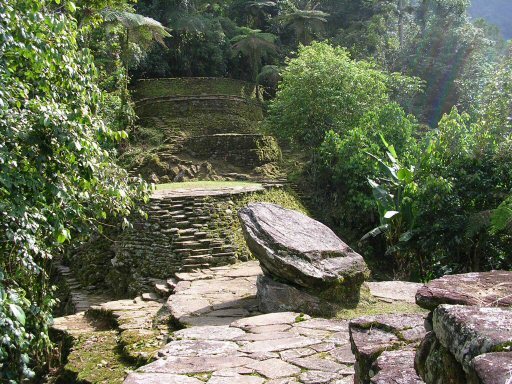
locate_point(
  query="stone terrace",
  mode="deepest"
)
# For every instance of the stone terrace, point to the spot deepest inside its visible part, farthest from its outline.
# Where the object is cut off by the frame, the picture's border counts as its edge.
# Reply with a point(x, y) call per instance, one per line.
point(228, 341)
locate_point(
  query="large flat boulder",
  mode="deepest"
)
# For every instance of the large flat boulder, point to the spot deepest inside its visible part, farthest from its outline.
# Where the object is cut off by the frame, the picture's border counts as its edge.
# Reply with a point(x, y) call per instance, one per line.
point(468, 331)
point(479, 288)
point(296, 249)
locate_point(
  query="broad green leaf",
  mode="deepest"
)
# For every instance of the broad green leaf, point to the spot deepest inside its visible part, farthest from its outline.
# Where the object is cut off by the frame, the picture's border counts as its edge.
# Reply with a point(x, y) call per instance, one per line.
point(390, 214)
point(18, 313)
point(404, 174)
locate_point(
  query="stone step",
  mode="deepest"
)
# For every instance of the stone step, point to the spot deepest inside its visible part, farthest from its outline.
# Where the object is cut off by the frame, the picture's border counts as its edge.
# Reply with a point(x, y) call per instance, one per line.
point(201, 259)
point(188, 244)
point(186, 238)
point(190, 267)
point(199, 251)
point(170, 231)
point(184, 252)
point(185, 232)
point(225, 254)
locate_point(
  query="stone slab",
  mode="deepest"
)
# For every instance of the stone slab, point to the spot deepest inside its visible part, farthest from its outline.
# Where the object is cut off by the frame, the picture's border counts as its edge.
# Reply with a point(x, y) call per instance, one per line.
point(392, 291)
point(395, 367)
point(160, 378)
point(209, 333)
point(269, 319)
point(275, 368)
point(468, 331)
point(479, 288)
point(192, 365)
point(492, 368)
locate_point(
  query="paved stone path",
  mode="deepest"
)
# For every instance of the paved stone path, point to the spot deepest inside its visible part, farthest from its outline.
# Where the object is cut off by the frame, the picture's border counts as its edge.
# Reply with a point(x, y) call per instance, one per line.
point(226, 340)
point(216, 296)
point(201, 192)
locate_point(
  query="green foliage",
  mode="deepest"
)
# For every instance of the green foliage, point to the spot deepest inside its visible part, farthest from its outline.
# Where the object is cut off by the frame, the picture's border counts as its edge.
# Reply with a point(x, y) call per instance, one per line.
point(461, 175)
point(323, 89)
point(57, 182)
point(345, 162)
point(393, 194)
point(305, 22)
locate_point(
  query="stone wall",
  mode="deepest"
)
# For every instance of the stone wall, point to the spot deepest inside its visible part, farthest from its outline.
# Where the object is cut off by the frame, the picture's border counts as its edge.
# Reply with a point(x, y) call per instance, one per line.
point(184, 230)
point(150, 88)
point(249, 150)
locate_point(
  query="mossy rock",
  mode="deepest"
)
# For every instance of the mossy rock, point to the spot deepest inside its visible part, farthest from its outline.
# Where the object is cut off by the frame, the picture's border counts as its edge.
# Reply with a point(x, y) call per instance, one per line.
point(151, 88)
point(141, 345)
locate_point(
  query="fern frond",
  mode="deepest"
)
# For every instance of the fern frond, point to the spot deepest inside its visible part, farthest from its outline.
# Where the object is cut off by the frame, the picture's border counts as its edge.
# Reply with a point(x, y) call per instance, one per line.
point(502, 216)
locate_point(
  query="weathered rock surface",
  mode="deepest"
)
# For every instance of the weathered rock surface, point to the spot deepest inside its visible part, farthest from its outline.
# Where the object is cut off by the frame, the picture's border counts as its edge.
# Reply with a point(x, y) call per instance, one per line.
point(370, 336)
point(276, 348)
point(479, 288)
point(395, 367)
point(491, 368)
point(468, 332)
point(299, 250)
point(461, 347)
point(394, 291)
point(274, 296)
point(435, 364)
point(154, 378)
point(210, 297)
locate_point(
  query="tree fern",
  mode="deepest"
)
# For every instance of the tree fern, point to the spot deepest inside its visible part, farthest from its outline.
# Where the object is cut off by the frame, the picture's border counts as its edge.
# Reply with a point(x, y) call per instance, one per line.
point(140, 29)
point(502, 216)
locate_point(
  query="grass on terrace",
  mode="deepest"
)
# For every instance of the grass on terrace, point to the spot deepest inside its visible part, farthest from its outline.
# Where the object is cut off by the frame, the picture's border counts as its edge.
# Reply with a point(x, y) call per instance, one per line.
point(205, 185)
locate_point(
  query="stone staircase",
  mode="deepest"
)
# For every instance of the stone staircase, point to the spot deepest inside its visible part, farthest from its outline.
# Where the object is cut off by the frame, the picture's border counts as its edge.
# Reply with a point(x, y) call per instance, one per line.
point(185, 230)
point(192, 243)
point(80, 300)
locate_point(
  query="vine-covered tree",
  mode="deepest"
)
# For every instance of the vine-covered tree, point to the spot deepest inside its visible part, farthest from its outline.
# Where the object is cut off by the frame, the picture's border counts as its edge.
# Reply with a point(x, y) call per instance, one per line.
point(57, 182)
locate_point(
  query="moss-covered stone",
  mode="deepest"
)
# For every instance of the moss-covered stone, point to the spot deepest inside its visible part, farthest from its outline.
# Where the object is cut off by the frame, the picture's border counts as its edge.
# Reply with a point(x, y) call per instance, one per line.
point(151, 88)
point(155, 247)
point(140, 346)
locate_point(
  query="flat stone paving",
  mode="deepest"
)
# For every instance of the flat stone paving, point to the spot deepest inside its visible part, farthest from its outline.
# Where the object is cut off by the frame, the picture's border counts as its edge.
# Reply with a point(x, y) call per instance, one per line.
point(201, 192)
point(216, 296)
point(226, 339)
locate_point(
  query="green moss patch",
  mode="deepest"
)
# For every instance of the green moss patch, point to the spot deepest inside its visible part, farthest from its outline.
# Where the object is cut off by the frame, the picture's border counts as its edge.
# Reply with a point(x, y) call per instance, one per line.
point(230, 223)
point(192, 86)
point(369, 305)
point(95, 359)
point(140, 346)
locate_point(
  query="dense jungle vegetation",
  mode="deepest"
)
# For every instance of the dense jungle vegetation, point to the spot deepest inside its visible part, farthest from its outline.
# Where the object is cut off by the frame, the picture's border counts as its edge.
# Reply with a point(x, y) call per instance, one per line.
point(401, 111)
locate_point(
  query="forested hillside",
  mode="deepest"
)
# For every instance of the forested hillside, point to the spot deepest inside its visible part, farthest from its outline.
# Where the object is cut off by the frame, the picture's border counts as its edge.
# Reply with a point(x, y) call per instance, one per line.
point(494, 11)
